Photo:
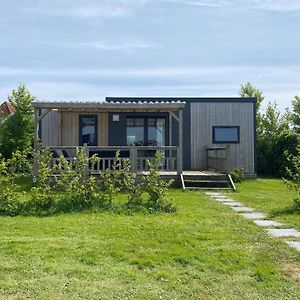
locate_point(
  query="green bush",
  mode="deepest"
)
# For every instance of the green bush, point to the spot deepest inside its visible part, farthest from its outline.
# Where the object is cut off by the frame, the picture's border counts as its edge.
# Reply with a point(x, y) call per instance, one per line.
point(156, 188)
point(79, 190)
point(293, 173)
point(68, 186)
point(237, 174)
point(133, 189)
point(10, 203)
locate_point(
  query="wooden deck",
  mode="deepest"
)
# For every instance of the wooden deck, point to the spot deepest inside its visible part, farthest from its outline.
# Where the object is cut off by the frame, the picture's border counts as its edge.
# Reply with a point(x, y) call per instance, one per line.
point(195, 180)
point(184, 173)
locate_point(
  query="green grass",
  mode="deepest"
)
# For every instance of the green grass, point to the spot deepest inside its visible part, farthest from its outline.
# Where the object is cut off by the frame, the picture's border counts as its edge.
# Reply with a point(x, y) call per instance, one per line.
point(204, 251)
point(270, 196)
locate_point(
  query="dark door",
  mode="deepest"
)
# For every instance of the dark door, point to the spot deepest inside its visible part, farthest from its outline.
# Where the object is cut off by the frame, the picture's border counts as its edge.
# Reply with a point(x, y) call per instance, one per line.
point(88, 130)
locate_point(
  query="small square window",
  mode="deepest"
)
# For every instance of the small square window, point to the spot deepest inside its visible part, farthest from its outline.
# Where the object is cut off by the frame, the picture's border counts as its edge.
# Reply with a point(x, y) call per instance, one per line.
point(226, 134)
point(116, 118)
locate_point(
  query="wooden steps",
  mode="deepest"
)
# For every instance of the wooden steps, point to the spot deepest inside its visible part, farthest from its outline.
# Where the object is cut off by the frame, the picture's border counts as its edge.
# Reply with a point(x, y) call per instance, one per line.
point(209, 180)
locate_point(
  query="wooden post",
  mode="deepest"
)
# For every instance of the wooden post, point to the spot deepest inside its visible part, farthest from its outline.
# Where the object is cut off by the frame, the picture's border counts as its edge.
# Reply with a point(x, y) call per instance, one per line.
point(59, 129)
point(180, 165)
point(35, 146)
point(86, 150)
point(170, 129)
point(227, 158)
point(133, 158)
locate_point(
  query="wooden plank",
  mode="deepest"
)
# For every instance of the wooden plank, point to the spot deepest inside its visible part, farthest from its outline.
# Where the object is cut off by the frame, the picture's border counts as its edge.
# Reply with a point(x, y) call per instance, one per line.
point(182, 181)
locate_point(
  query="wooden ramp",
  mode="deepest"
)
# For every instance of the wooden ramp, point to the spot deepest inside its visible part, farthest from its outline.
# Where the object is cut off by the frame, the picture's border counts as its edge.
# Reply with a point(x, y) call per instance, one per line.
point(194, 180)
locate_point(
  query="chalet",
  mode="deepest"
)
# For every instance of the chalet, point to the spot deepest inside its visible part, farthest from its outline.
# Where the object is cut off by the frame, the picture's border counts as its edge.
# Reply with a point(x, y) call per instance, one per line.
point(195, 134)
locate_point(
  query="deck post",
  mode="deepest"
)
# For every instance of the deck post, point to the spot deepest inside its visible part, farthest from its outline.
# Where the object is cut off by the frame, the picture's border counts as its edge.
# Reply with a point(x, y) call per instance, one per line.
point(87, 153)
point(35, 145)
point(180, 149)
point(170, 129)
point(133, 158)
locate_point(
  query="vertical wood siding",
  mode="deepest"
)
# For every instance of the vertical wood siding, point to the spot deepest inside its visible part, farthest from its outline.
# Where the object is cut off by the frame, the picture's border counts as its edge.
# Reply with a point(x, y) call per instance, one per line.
point(50, 129)
point(62, 128)
point(103, 129)
point(206, 115)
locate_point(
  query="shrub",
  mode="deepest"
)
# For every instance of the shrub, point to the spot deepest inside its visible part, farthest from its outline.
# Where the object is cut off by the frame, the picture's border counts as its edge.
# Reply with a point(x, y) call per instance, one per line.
point(9, 199)
point(80, 190)
point(293, 173)
point(156, 188)
point(111, 180)
point(42, 196)
point(133, 189)
point(237, 174)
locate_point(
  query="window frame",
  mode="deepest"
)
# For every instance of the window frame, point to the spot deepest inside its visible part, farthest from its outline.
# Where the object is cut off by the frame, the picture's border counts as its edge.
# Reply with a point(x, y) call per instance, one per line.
point(146, 126)
point(229, 141)
point(81, 116)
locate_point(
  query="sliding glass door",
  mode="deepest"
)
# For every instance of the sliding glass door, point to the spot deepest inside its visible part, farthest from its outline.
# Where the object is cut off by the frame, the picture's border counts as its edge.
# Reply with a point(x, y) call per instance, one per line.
point(146, 131)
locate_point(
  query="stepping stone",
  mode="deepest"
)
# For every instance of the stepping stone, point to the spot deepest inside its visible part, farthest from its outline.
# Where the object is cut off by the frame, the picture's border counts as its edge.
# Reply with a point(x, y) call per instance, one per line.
point(232, 204)
point(295, 245)
point(267, 223)
point(243, 209)
point(224, 200)
point(220, 197)
point(212, 194)
point(283, 232)
point(254, 216)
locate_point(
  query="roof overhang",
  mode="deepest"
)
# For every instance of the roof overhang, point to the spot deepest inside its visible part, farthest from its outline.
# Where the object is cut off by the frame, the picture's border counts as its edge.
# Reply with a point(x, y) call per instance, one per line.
point(110, 106)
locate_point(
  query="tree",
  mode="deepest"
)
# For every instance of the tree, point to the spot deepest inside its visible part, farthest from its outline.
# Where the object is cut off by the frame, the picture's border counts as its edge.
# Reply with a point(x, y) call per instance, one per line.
point(270, 139)
point(295, 115)
point(249, 91)
point(16, 131)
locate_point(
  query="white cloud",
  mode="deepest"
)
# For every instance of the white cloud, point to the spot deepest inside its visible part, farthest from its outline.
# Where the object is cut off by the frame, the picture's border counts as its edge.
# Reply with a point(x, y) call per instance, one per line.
point(278, 5)
point(199, 3)
point(256, 72)
point(84, 8)
point(117, 46)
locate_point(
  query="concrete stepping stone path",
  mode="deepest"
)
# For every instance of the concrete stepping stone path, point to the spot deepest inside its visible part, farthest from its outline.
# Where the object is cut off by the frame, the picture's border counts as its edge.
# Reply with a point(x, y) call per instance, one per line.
point(242, 209)
point(295, 245)
point(260, 219)
point(267, 223)
point(233, 204)
point(284, 232)
point(254, 216)
point(224, 200)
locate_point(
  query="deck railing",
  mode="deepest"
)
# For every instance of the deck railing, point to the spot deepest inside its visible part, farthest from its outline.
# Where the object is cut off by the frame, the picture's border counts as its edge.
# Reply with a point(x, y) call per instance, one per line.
point(218, 159)
point(137, 155)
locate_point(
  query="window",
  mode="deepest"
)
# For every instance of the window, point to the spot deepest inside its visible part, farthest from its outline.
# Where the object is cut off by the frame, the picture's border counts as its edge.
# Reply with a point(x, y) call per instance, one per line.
point(88, 130)
point(135, 131)
point(156, 132)
point(147, 131)
point(226, 134)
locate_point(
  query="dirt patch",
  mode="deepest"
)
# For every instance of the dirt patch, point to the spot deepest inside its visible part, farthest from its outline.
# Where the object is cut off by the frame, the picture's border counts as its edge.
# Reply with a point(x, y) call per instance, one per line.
point(292, 270)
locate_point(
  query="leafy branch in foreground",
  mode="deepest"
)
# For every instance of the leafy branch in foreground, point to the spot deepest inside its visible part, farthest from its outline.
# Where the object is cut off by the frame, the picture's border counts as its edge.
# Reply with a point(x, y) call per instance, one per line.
point(293, 173)
point(156, 188)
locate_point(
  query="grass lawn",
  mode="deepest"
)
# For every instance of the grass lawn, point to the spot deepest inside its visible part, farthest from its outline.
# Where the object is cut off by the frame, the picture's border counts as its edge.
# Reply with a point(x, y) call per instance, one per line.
point(270, 196)
point(204, 251)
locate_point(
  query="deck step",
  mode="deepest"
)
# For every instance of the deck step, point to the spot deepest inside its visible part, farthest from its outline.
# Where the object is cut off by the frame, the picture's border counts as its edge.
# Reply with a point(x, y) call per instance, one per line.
point(207, 188)
point(206, 181)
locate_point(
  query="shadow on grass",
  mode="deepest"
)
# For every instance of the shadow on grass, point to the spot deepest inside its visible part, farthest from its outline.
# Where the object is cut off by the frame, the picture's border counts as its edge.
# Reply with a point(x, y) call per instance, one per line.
point(289, 210)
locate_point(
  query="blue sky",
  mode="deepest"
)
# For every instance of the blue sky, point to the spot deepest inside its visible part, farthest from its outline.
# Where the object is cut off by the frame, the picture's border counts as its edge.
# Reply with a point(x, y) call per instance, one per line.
point(83, 49)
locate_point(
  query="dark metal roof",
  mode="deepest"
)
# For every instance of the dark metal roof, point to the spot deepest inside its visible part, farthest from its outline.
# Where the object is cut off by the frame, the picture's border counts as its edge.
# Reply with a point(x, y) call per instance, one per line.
point(178, 99)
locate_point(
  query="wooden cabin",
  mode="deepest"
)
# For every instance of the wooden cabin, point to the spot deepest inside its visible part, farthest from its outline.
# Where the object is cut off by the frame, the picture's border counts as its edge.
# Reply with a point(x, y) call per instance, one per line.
point(195, 134)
